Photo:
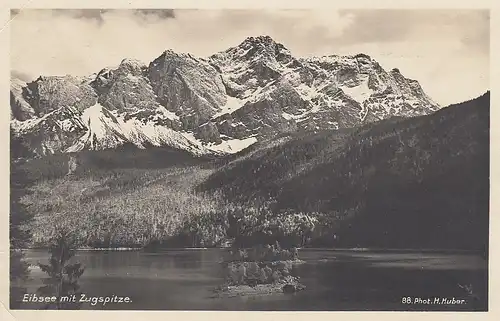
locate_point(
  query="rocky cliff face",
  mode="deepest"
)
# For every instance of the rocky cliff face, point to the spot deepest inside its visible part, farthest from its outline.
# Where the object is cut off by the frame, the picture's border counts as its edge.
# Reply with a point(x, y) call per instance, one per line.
point(187, 86)
point(219, 104)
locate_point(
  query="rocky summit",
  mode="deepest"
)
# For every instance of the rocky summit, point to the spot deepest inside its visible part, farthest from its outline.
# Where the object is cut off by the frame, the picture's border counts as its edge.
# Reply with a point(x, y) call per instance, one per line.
point(214, 105)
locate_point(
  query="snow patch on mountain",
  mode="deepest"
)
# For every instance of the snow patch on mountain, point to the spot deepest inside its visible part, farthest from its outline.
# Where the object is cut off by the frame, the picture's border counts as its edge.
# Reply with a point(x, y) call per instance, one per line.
point(233, 145)
point(167, 114)
point(227, 146)
point(109, 130)
point(361, 92)
point(306, 92)
point(101, 131)
point(66, 124)
point(231, 106)
point(95, 120)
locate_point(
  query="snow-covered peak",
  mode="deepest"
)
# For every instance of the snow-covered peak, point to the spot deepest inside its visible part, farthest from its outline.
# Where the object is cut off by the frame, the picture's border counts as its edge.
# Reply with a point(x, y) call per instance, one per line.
point(179, 59)
point(134, 66)
point(93, 118)
point(264, 39)
point(222, 103)
point(249, 69)
point(261, 48)
point(171, 54)
point(133, 62)
point(262, 42)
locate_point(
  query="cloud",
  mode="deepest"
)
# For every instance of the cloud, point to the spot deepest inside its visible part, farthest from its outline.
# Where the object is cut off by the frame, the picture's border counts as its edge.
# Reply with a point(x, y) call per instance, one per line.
point(83, 41)
point(79, 13)
point(444, 49)
point(98, 13)
point(398, 24)
point(477, 35)
point(159, 13)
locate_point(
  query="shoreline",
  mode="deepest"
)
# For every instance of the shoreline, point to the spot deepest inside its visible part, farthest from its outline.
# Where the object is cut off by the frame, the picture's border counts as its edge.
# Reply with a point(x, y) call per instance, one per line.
point(360, 250)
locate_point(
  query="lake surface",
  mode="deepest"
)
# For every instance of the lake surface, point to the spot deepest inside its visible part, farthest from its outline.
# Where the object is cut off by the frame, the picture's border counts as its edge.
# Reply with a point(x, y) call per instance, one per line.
point(335, 280)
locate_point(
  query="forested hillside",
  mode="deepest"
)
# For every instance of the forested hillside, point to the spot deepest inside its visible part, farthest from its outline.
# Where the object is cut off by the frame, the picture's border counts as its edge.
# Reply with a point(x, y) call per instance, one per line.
point(416, 182)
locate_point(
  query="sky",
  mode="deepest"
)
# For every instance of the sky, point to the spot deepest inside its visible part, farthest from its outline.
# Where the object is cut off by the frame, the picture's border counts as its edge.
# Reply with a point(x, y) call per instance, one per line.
point(447, 51)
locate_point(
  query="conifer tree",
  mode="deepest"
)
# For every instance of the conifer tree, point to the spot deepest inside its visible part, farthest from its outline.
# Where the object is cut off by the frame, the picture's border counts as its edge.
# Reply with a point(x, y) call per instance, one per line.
point(62, 280)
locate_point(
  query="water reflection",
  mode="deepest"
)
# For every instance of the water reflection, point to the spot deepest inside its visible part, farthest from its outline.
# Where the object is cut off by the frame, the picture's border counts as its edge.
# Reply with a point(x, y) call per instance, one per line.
point(335, 280)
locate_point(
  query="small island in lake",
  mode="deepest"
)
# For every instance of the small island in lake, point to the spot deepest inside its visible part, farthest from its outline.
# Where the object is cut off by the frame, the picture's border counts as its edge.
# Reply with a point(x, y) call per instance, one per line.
point(260, 270)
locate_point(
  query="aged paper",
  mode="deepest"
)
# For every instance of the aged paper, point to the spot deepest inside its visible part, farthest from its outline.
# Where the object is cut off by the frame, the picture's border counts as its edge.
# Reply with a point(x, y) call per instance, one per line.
point(253, 157)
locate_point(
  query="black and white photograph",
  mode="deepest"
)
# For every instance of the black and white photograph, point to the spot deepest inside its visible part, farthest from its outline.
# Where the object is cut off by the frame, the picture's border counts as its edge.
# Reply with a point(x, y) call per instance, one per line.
point(249, 159)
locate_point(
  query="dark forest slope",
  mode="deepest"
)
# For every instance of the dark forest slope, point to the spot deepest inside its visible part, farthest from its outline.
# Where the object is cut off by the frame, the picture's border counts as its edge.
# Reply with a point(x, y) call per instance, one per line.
point(415, 182)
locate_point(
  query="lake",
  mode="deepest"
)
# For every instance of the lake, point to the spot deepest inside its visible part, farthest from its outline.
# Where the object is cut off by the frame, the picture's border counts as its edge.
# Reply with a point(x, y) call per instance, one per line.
point(335, 280)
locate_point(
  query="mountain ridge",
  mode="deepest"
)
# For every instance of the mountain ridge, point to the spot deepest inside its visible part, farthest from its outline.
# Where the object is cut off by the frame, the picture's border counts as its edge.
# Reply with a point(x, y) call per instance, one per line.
point(216, 105)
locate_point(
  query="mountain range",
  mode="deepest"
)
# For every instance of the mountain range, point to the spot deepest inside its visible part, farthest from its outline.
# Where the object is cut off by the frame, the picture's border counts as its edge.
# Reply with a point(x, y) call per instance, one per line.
point(213, 105)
